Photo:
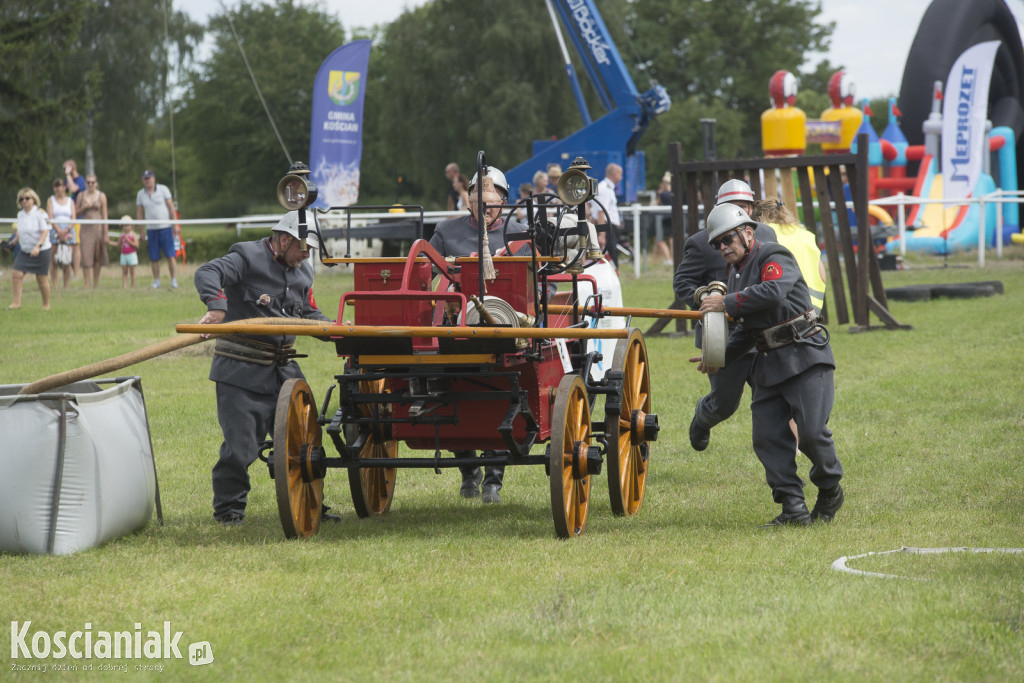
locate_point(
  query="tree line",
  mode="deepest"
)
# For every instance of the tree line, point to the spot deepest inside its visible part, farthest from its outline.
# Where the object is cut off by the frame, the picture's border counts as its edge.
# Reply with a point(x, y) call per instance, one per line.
point(112, 83)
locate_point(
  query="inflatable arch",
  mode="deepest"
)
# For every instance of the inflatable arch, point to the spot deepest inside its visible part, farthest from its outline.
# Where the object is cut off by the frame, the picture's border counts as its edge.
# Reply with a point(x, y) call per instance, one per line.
point(947, 29)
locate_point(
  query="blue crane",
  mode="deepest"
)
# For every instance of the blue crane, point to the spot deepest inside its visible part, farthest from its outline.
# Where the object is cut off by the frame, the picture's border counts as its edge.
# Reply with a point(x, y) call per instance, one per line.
point(614, 136)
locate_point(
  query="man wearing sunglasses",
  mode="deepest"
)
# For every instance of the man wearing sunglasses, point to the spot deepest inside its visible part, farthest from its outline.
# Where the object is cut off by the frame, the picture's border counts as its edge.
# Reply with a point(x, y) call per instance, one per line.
point(702, 265)
point(793, 366)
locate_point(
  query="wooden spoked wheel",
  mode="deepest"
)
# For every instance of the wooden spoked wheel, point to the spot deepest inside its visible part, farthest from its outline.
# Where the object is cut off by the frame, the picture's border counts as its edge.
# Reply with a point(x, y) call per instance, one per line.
point(373, 487)
point(567, 456)
point(627, 445)
point(300, 487)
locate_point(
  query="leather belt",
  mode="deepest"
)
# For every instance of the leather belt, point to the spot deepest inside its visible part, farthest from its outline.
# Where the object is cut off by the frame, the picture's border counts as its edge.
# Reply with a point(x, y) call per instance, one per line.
point(798, 329)
point(252, 351)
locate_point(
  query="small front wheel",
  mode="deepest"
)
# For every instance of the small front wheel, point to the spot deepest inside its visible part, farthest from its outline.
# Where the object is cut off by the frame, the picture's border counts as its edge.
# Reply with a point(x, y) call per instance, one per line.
point(628, 428)
point(297, 478)
point(567, 457)
point(372, 488)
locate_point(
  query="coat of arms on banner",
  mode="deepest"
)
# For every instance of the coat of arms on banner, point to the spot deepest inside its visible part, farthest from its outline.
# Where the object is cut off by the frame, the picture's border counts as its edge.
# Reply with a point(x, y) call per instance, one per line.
point(343, 87)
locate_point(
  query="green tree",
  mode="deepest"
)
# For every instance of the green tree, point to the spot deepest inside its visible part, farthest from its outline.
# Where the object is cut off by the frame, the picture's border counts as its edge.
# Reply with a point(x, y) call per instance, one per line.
point(484, 74)
point(35, 113)
point(682, 124)
point(125, 44)
point(87, 80)
point(223, 126)
point(456, 76)
point(725, 51)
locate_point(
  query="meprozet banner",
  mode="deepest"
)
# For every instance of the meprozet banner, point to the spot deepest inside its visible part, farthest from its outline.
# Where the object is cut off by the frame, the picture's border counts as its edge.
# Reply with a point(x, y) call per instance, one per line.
point(336, 136)
point(964, 111)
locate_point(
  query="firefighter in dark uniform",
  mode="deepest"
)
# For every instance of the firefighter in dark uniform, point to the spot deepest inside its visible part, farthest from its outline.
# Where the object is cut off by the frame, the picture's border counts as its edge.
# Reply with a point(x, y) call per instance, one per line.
point(702, 265)
point(460, 237)
point(793, 366)
point(268, 278)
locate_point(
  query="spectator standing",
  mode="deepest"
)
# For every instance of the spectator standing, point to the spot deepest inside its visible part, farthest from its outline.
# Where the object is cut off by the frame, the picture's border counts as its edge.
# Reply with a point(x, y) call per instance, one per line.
point(154, 203)
point(525, 190)
point(451, 171)
point(540, 183)
point(72, 180)
point(663, 247)
point(75, 184)
point(129, 245)
point(460, 184)
point(92, 205)
point(606, 197)
point(554, 173)
point(33, 256)
point(61, 210)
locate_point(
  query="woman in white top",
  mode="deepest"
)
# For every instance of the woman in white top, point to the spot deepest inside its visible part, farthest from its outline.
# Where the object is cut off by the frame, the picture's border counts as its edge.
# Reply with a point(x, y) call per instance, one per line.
point(461, 185)
point(34, 240)
point(61, 210)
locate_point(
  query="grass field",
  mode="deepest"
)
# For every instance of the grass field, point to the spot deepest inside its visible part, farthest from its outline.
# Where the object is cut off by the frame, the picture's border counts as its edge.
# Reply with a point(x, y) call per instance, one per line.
point(929, 426)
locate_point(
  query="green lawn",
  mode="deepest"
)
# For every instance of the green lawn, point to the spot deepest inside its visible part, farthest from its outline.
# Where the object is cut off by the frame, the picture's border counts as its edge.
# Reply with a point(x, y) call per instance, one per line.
point(929, 425)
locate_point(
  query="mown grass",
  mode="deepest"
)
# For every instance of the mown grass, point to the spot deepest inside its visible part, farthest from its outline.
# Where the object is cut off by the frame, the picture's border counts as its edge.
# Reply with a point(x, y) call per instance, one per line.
point(929, 424)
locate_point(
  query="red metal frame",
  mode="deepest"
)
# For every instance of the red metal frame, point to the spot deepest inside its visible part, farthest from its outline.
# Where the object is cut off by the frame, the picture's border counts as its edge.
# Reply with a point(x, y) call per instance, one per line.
point(398, 292)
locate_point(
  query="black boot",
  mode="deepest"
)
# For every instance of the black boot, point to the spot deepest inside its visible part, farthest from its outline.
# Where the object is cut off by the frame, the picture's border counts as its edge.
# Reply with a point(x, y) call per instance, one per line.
point(471, 477)
point(794, 513)
point(700, 436)
point(326, 516)
point(828, 504)
point(492, 484)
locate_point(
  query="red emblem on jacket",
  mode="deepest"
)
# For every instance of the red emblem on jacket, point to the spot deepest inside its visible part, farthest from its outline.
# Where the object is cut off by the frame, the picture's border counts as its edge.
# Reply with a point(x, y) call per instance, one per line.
point(771, 271)
point(264, 300)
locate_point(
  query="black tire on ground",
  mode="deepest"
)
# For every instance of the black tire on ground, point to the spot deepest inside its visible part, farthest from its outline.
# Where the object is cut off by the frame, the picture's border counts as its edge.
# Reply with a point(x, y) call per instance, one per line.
point(909, 293)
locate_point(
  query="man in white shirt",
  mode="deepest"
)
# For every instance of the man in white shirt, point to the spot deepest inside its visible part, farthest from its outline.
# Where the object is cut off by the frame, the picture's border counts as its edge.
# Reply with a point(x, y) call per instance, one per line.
point(606, 197)
point(154, 203)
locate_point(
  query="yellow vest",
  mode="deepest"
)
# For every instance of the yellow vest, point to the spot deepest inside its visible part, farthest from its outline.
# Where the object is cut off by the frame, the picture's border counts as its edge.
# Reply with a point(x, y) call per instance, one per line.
point(804, 248)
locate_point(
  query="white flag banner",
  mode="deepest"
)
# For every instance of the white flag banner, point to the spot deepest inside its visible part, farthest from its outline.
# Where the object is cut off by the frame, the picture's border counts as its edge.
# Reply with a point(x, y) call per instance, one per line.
point(964, 111)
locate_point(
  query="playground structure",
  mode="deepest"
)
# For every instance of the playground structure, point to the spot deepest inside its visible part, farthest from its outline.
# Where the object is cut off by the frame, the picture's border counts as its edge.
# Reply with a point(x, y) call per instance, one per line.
point(903, 199)
point(917, 201)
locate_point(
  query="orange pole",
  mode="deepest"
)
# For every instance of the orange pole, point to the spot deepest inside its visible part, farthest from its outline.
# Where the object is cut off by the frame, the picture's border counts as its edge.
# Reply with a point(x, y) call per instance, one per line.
point(398, 331)
point(635, 312)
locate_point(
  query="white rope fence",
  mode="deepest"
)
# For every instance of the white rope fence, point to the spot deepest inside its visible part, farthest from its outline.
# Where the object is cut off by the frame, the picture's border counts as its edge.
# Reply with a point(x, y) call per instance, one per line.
point(841, 565)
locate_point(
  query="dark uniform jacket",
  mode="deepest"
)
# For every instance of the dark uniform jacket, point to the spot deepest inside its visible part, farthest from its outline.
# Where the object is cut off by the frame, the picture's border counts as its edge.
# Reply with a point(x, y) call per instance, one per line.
point(703, 264)
point(249, 283)
point(765, 289)
point(461, 236)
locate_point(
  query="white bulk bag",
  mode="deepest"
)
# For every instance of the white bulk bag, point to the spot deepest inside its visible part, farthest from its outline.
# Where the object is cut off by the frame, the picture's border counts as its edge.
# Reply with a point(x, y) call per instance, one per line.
point(77, 464)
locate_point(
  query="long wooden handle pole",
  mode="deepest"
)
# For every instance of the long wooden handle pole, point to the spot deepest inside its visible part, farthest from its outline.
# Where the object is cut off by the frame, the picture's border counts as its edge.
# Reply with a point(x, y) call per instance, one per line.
point(110, 364)
point(401, 331)
point(635, 312)
point(152, 351)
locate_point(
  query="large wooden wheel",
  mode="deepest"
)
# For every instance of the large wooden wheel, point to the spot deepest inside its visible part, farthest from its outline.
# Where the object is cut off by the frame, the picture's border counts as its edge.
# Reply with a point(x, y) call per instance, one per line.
point(567, 454)
point(373, 487)
point(297, 478)
point(627, 428)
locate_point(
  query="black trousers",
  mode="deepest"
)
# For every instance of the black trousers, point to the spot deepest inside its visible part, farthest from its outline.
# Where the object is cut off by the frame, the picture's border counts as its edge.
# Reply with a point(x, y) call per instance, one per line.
point(246, 418)
point(806, 398)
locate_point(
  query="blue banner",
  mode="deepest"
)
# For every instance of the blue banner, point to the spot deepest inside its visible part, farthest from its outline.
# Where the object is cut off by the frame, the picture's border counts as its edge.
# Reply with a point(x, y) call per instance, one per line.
point(336, 136)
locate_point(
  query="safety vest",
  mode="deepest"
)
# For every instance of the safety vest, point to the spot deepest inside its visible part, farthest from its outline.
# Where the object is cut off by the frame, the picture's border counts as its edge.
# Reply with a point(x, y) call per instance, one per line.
point(800, 241)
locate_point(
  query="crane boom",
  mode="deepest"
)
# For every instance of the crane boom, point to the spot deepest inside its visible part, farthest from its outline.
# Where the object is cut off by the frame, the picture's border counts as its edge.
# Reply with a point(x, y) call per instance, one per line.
point(614, 136)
